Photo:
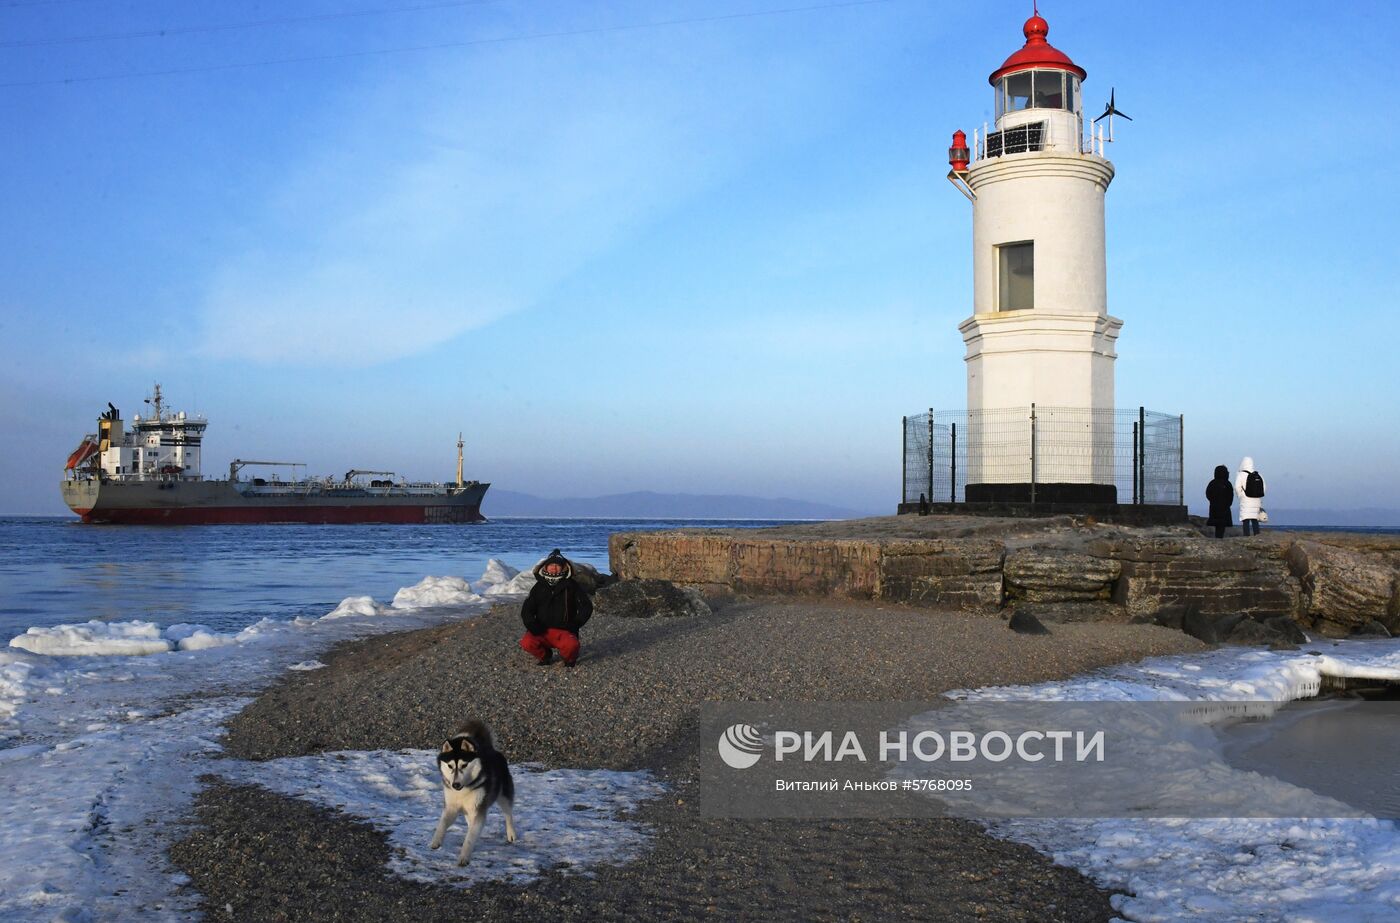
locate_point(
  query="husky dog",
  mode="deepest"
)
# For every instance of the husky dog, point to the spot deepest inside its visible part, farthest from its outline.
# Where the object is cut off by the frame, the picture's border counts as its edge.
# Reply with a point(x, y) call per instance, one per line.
point(474, 777)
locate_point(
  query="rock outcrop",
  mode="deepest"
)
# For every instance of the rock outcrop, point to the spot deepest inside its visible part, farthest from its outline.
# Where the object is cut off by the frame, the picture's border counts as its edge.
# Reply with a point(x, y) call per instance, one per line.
point(1212, 576)
point(951, 573)
point(1346, 586)
point(649, 599)
point(1051, 575)
point(1256, 590)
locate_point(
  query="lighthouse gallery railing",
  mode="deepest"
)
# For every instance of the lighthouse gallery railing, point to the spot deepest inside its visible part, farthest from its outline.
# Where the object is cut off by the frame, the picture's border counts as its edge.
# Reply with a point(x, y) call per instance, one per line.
point(989, 142)
point(1138, 451)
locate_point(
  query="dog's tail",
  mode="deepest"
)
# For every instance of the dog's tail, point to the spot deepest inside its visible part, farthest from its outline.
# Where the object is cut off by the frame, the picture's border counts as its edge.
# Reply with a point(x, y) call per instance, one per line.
point(478, 731)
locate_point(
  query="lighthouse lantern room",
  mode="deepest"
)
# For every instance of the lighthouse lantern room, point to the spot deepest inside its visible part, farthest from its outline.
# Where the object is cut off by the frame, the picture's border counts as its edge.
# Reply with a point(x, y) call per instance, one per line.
point(1040, 334)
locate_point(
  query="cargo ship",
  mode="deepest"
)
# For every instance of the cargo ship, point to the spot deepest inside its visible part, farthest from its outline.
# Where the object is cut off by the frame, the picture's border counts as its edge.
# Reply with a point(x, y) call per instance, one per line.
point(150, 474)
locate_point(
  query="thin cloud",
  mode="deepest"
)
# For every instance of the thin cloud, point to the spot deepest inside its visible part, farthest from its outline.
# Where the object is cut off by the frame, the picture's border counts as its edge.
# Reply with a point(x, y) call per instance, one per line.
point(427, 221)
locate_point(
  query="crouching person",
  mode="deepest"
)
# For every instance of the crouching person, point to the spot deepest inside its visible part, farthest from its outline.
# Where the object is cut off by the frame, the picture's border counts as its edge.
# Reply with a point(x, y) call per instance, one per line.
point(555, 611)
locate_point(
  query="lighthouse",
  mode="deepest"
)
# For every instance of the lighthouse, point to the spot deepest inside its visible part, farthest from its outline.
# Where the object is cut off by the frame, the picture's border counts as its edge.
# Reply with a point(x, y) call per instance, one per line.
point(1040, 335)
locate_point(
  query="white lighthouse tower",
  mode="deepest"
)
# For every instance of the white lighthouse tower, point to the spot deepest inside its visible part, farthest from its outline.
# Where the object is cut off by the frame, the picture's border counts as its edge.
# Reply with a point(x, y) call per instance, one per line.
point(1040, 334)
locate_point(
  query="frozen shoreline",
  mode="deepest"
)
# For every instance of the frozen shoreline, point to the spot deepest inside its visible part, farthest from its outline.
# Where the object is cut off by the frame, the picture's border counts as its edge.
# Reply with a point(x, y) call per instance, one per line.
point(109, 725)
point(1230, 870)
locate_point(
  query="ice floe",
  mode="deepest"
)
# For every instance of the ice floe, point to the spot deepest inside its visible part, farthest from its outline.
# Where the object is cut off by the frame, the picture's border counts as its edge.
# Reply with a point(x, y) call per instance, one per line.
point(520, 584)
point(354, 605)
point(497, 572)
point(140, 639)
point(435, 591)
point(202, 637)
point(430, 592)
point(574, 817)
point(500, 579)
point(15, 676)
point(197, 637)
point(94, 639)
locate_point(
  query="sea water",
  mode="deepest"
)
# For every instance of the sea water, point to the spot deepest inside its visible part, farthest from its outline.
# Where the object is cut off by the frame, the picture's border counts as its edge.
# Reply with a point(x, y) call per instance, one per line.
point(58, 570)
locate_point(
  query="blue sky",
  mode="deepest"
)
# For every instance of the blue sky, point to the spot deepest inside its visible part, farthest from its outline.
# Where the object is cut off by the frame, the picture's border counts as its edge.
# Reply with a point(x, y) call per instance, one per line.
point(712, 256)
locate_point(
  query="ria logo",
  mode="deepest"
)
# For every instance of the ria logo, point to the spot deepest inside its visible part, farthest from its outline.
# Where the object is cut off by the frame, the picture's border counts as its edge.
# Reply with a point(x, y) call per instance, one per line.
point(740, 746)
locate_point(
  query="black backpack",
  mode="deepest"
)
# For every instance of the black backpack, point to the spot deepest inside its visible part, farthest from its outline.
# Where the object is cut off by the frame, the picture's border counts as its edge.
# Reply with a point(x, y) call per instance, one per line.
point(1254, 485)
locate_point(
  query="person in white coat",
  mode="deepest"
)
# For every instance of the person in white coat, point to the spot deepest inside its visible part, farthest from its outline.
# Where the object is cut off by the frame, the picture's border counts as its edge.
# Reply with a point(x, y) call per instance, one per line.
point(1251, 498)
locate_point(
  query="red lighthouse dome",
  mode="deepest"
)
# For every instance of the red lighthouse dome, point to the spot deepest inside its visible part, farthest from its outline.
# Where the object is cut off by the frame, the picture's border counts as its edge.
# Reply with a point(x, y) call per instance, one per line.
point(1036, 53)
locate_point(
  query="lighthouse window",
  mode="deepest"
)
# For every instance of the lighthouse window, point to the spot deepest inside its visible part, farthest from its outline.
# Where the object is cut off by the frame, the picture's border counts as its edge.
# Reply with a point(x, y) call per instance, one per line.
point(1016, 277)
point(1036, 90)
point(1018, 91)
point(1049, 90)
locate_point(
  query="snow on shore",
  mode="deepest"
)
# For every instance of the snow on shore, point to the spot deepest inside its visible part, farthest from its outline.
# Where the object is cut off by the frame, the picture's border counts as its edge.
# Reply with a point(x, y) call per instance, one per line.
point(85, 822)
point(1228, 870)
point(572, 816)
point(1226, 675)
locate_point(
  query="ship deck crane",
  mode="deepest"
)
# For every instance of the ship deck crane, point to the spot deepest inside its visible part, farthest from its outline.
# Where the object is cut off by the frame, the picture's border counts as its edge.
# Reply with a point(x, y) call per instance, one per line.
point(238, 463)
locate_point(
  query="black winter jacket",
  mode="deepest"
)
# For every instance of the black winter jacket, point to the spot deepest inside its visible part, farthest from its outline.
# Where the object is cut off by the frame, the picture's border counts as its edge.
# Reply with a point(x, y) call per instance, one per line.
point(563, 605)
point(1221, 494)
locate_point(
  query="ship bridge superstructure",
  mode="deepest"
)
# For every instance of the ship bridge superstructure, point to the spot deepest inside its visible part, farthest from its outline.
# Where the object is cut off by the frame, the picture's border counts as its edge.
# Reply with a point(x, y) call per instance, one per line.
point(159, 446)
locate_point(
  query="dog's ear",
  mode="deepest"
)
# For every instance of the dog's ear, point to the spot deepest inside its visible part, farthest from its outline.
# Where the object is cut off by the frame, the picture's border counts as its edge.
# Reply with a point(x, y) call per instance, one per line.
point(446, 747)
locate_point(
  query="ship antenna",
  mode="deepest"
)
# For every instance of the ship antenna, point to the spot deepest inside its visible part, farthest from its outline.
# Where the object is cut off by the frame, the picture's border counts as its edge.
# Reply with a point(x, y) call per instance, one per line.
point(460, 482)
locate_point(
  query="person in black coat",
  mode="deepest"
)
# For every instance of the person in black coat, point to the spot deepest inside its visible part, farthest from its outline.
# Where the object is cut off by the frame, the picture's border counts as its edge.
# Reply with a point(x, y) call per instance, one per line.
point(555, 611)
point(1221, 494)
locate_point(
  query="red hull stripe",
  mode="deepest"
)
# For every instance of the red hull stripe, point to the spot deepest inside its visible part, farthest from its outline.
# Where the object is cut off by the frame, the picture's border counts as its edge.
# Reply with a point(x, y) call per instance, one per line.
point(228, 515)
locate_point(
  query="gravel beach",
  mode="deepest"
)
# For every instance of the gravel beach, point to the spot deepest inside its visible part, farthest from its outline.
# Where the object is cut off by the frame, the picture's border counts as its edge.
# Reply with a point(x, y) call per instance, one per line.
point(631, 704)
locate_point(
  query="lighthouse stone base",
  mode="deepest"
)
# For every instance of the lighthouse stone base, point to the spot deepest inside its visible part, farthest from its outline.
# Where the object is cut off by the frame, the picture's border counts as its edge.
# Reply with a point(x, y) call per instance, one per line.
point(1053, 359)
point(1050, 361)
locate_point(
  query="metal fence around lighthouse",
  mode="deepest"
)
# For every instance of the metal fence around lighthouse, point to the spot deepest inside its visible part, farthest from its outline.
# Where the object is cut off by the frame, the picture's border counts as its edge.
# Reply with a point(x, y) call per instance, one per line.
point(1044, 455)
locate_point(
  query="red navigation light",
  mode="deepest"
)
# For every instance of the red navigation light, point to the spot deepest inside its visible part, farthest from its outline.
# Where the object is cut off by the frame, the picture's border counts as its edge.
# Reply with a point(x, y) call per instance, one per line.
point(958, 154)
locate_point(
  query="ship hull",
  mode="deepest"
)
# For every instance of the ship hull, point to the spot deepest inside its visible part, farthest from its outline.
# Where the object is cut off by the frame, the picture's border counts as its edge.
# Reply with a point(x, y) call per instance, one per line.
point(223, 503)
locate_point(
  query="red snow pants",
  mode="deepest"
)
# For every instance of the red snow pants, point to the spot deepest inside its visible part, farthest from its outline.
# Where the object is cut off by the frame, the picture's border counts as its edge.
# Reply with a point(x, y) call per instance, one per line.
point(538, 646)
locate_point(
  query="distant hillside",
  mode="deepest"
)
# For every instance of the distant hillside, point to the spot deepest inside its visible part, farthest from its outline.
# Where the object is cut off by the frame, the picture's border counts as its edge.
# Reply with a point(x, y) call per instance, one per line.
point(1374, 517)
point(649, 505)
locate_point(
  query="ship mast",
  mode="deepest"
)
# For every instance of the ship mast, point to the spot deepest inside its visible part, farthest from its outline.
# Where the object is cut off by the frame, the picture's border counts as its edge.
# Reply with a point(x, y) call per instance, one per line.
point(460, 482)
point(156, 401)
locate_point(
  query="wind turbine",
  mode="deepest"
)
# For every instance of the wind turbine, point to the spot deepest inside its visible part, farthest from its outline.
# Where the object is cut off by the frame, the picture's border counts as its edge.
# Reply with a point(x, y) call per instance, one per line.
point(1109, 111)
